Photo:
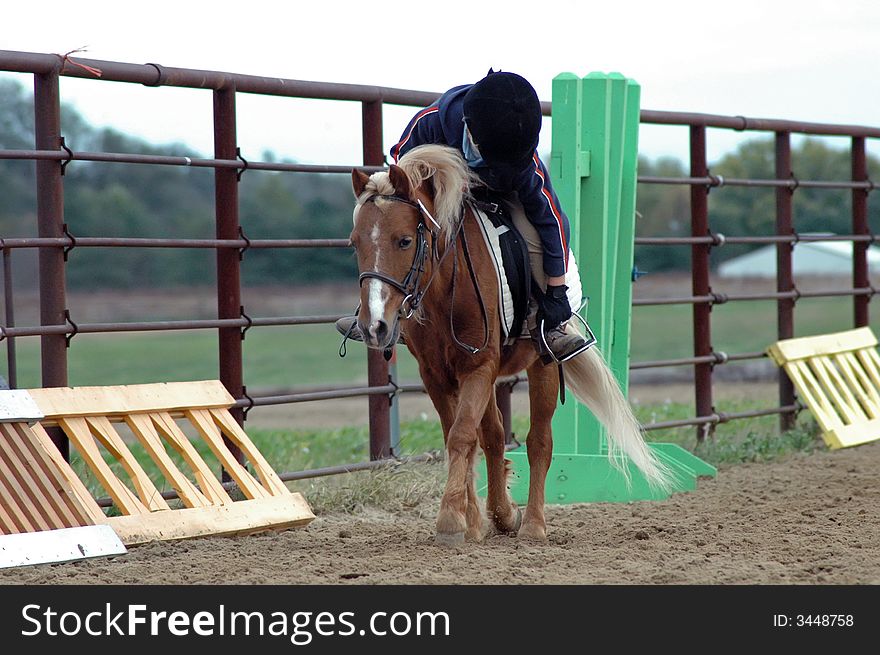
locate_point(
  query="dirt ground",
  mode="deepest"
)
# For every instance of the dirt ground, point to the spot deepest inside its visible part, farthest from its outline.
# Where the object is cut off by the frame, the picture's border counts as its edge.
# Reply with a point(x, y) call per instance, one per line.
point(805, 519)
point(808, 519)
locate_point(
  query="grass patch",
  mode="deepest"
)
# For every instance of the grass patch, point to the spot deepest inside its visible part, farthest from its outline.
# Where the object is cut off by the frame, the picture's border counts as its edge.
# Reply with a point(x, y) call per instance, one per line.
point(405, 489)
point(744, 440)
point(752, 446)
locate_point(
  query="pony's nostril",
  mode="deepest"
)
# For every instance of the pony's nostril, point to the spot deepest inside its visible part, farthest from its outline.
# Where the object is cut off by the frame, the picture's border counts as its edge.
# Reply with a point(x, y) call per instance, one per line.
point(380, 329)
point(375, 330)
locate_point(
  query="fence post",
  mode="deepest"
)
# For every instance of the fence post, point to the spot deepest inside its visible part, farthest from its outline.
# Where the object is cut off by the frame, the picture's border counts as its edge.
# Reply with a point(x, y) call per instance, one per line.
point(702, 312)
point(9, 306)
point(377, 366)
point(593, 166)
point(50, 223)
point(784, 276)
point(228, 263)
point(861, 277)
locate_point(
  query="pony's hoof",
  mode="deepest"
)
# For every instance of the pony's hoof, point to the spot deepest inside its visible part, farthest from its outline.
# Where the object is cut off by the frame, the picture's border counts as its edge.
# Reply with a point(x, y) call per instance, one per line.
point(532, 531)
point(449, 539)
point(474, 536)
point(502, 528)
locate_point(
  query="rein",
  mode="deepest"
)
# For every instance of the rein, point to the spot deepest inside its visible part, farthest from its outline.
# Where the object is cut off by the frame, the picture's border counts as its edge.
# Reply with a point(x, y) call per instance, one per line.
point(411, 287)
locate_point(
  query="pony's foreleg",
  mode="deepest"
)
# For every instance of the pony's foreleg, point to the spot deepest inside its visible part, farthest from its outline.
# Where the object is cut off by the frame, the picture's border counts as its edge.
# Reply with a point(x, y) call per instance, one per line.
point(445, 400)
point(500, 508)
point(461, 445)
point(543, 390)
point(473, 515)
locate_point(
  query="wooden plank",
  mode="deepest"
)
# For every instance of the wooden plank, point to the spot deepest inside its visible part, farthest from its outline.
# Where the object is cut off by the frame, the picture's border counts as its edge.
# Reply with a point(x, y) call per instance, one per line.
point(7, 524)
point(73, 485)
point(147, 491)
point(859, 383)
point(78, 432)
point(51, 490)
point(855, 360)
point(850, 405)
point(15, 519)
point(206, 479)
point(119, 400)
point(204, 422)
point(871, 364)
point(854, 435)
point(789, 350)
point(15, 499)
point(236, 435)
point(806, 384)
point(819, 366)
point(36, 495)
point(146, 433)
point(241, 517)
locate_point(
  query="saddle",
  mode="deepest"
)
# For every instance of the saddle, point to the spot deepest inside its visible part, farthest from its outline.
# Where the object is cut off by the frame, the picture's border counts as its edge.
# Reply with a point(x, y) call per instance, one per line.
point(509, 254)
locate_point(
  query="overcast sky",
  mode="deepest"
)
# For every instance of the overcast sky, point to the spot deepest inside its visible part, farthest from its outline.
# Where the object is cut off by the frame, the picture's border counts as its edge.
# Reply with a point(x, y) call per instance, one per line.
point(809, 60)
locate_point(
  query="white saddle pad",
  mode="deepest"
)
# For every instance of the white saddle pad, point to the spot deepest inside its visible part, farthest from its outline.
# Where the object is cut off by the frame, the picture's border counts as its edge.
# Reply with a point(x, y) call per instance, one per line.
point(505, 299)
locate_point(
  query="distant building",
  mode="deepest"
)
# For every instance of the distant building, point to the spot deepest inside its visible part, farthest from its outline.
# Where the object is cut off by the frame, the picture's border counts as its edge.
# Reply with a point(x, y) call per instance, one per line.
point(809, 258)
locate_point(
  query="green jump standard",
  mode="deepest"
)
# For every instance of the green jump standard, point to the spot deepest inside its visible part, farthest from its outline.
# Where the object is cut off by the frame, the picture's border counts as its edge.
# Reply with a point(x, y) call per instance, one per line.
point(593, 166)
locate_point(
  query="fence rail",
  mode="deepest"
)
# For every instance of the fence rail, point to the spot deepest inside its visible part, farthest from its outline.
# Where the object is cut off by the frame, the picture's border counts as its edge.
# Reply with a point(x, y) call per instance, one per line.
point(57, 325)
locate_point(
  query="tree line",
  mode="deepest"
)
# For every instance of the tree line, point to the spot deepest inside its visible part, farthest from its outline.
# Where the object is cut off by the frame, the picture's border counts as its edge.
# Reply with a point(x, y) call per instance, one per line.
point(135, 200)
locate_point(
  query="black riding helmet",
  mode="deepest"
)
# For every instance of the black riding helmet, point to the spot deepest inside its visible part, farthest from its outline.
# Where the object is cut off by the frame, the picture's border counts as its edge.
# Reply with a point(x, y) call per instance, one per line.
point(503, 113)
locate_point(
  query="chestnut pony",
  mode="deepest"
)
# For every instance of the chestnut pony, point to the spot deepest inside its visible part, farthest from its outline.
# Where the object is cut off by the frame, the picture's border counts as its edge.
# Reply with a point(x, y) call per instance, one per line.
point(425, 271)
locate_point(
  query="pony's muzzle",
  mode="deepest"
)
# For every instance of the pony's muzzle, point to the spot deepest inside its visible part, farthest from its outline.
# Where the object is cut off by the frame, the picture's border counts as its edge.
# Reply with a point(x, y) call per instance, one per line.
point(375, 333)
point(378, 335)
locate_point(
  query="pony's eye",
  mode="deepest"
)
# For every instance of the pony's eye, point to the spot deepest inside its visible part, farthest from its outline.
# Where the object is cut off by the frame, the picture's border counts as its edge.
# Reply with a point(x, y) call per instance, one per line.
point(405, 242)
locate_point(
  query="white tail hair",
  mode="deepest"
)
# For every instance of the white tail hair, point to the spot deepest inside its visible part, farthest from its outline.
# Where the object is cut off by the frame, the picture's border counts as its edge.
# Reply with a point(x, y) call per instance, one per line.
point(592, 382)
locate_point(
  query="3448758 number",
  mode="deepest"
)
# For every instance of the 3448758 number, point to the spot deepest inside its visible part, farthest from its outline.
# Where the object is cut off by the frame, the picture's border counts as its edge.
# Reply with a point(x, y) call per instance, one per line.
point(823, 620)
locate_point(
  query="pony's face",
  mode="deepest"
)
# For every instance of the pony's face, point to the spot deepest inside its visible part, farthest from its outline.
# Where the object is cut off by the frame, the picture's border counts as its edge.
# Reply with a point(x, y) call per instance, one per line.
point(385, 238)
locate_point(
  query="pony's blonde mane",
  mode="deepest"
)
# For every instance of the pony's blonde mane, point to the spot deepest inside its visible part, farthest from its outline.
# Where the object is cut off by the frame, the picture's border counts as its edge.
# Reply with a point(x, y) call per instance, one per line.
point(448, 172)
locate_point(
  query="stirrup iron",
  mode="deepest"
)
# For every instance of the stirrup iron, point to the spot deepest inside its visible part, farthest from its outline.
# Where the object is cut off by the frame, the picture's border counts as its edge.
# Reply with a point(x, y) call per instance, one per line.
point(589, 341)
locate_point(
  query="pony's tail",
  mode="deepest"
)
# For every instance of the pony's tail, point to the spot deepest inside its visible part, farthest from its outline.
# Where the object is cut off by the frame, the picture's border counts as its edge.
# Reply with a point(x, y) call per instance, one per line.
point(591, 381)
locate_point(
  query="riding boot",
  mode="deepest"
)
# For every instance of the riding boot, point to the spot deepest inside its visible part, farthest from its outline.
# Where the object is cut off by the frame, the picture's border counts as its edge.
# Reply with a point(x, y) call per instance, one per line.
point(347, 326)
point(559, 346)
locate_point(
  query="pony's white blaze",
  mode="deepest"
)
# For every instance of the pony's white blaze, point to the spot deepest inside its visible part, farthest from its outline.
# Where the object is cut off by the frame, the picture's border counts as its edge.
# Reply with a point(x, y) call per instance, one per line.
point(378, 295)
point(376, 300)
point(374, 237)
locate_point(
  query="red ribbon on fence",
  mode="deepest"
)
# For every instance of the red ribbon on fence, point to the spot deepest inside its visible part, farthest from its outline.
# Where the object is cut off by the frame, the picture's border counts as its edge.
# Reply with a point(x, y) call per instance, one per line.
point(65, 59)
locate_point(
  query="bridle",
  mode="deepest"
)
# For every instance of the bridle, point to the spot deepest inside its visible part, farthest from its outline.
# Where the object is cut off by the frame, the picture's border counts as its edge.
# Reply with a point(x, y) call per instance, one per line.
point(411, 286)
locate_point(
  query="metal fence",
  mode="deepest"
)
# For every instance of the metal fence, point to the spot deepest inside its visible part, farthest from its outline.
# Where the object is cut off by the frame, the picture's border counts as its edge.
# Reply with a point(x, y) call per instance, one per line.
point(703, 239)
point(57, 326)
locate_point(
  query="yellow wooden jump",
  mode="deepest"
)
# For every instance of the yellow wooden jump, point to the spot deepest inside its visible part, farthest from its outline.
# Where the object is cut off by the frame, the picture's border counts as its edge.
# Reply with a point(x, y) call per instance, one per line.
point(41, 491)
point(838, 377)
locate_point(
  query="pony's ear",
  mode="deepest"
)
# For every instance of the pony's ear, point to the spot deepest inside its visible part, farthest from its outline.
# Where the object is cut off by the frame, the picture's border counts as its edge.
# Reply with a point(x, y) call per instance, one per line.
point(400, 181)
point(359, 181)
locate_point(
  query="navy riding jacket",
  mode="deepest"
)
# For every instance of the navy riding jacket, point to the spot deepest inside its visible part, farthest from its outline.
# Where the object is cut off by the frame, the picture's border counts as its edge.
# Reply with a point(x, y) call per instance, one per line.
point(442, 123)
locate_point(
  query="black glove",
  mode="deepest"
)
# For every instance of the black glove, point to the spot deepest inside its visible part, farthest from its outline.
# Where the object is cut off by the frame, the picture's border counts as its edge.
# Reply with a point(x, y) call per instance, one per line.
point(554, 308)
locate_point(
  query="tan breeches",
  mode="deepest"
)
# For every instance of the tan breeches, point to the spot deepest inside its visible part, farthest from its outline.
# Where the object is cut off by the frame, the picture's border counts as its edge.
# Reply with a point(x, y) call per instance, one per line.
point(536, 260)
